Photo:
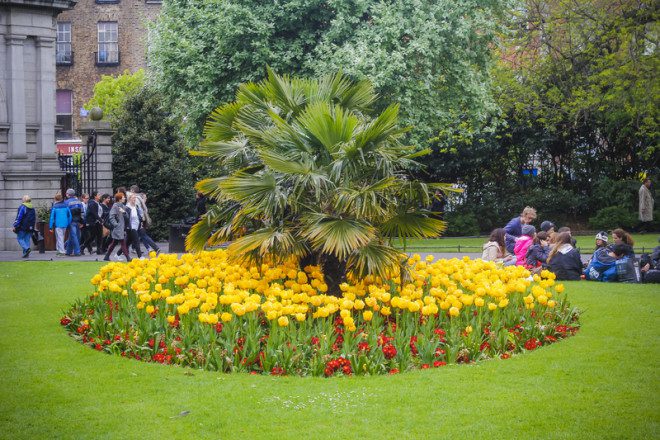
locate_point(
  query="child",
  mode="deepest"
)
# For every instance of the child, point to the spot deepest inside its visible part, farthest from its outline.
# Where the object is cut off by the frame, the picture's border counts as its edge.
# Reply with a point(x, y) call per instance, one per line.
point(564, 260)
point(601, 266)
point(523, 243)
point(537, 254)
point(495, 249)
point(626, 272)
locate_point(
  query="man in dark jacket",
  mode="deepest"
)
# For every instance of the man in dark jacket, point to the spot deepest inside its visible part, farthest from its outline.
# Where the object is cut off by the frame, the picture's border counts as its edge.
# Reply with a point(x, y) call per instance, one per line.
point(93, 222)
point(23, 226)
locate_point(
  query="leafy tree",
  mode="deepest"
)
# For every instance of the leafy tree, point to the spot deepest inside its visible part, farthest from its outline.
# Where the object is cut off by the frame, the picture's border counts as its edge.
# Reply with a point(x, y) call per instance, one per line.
point(431, 56)
point(147, 151)
point(575, 84)
point(311, 173)
point(111, 92)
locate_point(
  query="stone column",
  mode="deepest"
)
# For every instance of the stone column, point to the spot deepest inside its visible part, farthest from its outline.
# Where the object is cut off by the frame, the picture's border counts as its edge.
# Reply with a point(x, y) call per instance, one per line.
point(46, 95)
point(103, 152)
point(16, 97)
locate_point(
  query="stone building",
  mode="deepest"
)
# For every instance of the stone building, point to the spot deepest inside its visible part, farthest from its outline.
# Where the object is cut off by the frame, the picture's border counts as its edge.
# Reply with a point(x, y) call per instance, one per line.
point(28, 162)
point(97, 37)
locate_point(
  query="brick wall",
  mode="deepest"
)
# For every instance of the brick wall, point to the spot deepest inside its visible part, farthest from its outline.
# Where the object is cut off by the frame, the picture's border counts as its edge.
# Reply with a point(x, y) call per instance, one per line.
point(131, 17)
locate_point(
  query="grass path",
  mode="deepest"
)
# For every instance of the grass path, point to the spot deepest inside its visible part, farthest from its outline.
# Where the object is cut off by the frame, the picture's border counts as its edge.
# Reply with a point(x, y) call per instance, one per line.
point(603, 383)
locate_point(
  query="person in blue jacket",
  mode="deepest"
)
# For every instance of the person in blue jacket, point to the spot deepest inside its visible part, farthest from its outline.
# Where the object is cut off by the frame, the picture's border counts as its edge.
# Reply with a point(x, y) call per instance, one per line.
point(76, 208)
point(60, 219)
point(513, 229)
point(602, 266)
point(26, 218)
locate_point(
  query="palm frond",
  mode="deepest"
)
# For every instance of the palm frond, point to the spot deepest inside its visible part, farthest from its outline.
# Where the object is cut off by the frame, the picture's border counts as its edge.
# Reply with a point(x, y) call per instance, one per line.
point(218, 126)
point(279, 243)
point(282, 92)
point(373, 259)
point(221, 150)
point(329, 126)
point(381, 128)
point(359, 96)
point(336, 236)
point(412, 225)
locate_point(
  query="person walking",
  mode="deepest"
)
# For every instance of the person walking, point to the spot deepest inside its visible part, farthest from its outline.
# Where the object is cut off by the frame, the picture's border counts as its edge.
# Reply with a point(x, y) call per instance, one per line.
point(75, 206)
point(117, 221)
point(645, 206)
point(106, 201)
point(513, 229)
point(60, 219)
point(26, 219)
point(84, 232)
point(93, 224)
point(135, 216)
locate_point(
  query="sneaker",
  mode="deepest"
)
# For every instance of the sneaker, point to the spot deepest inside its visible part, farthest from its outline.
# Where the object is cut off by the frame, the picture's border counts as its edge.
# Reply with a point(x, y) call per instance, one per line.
point(27, 252)
point(59, 254)
point(24, 254)
point(106, 258)
point(157, 252)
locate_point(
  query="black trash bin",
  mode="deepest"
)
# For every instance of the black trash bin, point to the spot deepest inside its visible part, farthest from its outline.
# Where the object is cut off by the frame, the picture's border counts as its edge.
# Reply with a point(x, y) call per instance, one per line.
point(177, 240)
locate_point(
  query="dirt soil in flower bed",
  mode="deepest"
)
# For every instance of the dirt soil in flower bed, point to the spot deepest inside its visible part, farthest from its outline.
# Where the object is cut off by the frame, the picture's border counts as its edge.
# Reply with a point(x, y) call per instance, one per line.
point(201, 311)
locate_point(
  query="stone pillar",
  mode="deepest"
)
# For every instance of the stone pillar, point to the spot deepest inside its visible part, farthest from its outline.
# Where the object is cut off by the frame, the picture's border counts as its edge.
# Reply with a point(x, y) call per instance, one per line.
point(103, 152)
point(16, 97)
point(46, 95)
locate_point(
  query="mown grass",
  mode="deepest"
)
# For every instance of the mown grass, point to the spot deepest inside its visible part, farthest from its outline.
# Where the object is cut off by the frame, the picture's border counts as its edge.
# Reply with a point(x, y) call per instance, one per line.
point(602, 383)
point(586, 243)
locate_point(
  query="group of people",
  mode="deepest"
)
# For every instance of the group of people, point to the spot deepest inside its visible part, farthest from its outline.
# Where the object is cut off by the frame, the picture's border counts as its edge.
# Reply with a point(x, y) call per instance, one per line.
point(519, 243)
point(100, 220)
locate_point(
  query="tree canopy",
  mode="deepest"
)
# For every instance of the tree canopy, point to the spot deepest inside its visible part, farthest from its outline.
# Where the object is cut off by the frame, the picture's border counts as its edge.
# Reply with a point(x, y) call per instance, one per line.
point(430, 56)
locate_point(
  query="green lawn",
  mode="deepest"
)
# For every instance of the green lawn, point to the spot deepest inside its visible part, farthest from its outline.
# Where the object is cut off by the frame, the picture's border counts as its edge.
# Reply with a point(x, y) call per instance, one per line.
point(602, 383)
point(643, 243)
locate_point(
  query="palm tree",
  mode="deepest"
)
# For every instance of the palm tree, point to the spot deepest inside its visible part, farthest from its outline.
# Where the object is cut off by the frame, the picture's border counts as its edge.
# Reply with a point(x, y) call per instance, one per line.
point(308, 172)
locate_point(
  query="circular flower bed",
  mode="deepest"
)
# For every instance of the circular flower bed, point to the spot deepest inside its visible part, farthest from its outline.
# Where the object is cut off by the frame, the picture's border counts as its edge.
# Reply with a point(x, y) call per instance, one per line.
point(203, 312)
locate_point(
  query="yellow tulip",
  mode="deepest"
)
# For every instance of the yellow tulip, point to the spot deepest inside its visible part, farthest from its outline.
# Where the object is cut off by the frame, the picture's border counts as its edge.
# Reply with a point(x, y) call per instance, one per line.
point(367, 315)
point(492, 306)
point(283, 321)
point(453, 311)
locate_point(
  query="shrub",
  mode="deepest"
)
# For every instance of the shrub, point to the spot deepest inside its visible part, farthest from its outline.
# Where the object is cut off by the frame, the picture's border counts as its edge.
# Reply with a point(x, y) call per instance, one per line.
point(147, 151)
point(613, 217)
point(461, 224)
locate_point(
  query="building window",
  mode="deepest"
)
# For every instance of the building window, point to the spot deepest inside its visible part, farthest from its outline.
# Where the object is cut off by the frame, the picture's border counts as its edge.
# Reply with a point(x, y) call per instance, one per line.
point(108, 53)
point(107, 1)
point(63, 53)
point(64, 106)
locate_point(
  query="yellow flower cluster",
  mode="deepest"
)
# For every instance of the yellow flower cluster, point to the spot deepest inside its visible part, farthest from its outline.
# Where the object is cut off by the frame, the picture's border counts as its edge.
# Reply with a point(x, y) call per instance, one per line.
point(217, 290)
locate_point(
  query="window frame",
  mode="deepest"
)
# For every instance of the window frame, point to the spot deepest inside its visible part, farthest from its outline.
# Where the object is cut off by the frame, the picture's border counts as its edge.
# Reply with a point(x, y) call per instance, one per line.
point(67, 129)
point(64, 60)
point(105, 43)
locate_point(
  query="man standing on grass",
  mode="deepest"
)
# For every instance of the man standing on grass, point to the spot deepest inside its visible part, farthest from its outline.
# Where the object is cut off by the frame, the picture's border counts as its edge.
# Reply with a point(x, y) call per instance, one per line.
point(645, 206)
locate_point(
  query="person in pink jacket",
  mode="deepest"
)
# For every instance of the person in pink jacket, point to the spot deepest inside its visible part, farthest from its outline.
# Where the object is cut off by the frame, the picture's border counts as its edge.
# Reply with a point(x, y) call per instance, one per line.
point(523, 243)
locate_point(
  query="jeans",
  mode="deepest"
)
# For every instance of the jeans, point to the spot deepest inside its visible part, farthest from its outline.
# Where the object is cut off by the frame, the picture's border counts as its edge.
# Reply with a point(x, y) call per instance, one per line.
point(148, 242)
point(59, 240)
point(23, 238)
point(73, 244)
